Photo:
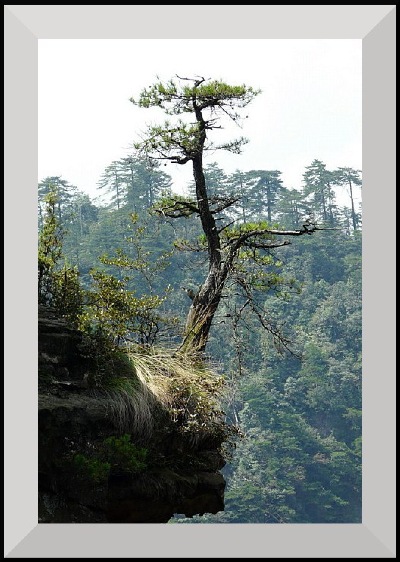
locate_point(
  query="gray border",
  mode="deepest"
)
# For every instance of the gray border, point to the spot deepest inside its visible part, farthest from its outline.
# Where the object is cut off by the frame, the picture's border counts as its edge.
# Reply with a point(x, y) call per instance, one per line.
point(375, 537)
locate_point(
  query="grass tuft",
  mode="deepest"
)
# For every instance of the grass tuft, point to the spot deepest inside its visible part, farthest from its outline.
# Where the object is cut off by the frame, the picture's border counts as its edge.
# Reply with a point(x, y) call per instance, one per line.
point(172, 383)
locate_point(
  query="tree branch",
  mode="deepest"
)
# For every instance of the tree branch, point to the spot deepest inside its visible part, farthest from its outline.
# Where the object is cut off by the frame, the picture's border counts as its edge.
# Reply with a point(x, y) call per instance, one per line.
point(265, 246)
point(225, 202)
point(280, 340)
point(178, 209)
point(239, 240)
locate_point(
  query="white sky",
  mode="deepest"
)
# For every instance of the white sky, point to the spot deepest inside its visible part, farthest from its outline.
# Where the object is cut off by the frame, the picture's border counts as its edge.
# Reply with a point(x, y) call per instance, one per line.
point(310, 106)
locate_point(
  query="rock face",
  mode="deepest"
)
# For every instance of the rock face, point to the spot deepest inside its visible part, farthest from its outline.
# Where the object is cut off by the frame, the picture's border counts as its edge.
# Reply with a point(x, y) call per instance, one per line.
point(180, 478)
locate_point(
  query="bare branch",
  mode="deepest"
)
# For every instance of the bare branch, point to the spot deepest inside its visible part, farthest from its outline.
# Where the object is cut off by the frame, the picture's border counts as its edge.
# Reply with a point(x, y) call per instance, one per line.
point(197, 81)
point(266, 245)
point(225, 203)
point(280, 340)
point(225, 226)
point(185, 246)
point(241, 239)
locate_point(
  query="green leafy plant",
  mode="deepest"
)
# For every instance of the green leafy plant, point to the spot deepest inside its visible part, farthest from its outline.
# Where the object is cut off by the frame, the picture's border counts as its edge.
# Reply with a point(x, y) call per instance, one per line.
point(58, 285)
point(114, 455)
point(124, 456)
point(91, 467)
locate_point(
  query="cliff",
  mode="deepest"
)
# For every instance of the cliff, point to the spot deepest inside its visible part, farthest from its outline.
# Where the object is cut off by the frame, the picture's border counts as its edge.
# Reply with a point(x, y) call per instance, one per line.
point(107, 458)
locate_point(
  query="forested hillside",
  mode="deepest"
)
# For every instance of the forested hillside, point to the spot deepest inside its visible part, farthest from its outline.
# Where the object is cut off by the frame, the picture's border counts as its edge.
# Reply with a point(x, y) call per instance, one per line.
point(287, 332)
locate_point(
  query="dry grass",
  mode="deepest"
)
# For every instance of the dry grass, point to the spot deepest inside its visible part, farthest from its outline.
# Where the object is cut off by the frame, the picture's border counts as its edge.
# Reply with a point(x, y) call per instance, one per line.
point(132, 407)
point(171, 382)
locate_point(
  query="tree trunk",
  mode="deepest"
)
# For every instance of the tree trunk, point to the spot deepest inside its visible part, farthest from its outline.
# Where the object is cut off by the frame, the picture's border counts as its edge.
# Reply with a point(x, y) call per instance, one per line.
point(205, 303)
point(269, 204)
point(353, 213)
point(202, 311)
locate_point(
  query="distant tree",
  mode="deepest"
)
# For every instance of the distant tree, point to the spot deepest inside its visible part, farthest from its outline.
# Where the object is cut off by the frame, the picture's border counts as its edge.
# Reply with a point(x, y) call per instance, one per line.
point(198, 105)
point(134, 182)
point(217, 181)
point(84, 214)
point(318, 183)
point(240, 184)
point(112, 181)
point(349, 178)
point(64, 192)
point(258, 193)
point(144, 182)
point(49, 248)
point(58, 282)
point(266, 191)
point(292, 208)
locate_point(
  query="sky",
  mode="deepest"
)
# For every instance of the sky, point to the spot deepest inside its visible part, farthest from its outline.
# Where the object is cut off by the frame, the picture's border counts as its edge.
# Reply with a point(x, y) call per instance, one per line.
point(310, 106)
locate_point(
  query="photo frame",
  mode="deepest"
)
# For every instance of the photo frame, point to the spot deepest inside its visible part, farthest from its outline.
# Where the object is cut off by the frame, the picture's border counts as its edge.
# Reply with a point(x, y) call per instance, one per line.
point(375, 537)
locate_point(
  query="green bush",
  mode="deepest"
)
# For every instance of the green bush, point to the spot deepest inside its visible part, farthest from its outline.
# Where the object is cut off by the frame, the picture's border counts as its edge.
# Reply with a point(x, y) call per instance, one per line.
point(114, 455)
point(124, 456)
point(93, 468)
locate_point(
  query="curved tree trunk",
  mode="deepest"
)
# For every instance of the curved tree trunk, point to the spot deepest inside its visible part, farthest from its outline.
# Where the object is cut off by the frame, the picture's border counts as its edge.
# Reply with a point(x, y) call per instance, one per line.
point(206, 302)
point(202, 311)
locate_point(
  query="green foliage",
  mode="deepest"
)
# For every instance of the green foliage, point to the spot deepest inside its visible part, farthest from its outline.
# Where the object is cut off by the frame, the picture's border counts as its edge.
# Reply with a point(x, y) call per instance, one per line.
point(176, 206)
point(137, 256)
point(300, 460)
point(49, 250)
point(67, 295)
point(318, 183)
point(124, 456)
point(133, 183)
point(119, 305)
point(93, 469)
point(58, 286)
point(105, 361)
point(114, 455)
point(64, 194)
point(350, 179)
point(117, 312)
point(175, 98)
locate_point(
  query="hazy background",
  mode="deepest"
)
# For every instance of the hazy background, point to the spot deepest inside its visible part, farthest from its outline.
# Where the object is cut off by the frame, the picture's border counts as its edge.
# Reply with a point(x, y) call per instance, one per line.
point(310, 106)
